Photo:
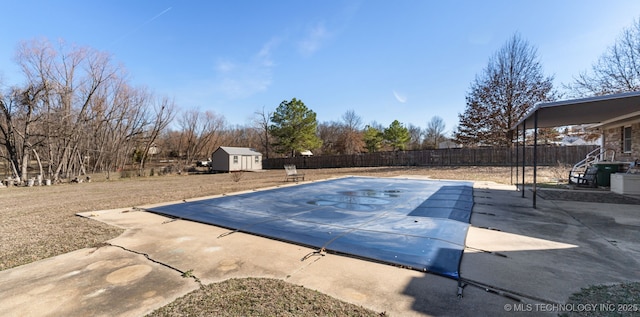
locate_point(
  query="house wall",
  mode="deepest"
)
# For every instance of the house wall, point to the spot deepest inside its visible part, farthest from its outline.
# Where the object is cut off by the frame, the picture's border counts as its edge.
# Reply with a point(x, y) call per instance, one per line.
point(613, 140)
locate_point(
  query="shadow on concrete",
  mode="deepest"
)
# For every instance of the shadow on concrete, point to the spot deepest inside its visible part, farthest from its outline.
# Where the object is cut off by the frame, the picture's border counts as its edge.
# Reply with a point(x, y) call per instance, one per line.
point(517, 255)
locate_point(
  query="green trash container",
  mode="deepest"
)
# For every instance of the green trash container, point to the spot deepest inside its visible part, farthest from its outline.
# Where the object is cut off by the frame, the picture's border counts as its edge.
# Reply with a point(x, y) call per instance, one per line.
point(604, 173)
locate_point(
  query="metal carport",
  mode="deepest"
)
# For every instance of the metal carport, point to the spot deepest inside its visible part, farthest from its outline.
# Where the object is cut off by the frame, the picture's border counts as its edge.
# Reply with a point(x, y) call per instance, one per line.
point(592, 110)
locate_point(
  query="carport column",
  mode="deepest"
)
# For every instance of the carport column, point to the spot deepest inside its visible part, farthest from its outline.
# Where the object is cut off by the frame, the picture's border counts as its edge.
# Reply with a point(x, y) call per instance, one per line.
point(511, 160)
point(535, 155)
point(517, 156)
point(524, 143)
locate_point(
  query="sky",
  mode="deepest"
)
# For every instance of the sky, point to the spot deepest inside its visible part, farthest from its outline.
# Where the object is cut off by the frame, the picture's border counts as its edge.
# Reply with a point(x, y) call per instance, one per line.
point(406, 60)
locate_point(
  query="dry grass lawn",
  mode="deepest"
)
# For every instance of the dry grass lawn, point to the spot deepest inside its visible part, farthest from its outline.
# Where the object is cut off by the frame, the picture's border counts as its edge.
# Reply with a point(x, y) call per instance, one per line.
point(40, 222)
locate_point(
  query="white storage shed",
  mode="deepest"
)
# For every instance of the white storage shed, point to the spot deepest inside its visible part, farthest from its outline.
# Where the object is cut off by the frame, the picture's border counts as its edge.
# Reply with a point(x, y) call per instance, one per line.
point(233, 159)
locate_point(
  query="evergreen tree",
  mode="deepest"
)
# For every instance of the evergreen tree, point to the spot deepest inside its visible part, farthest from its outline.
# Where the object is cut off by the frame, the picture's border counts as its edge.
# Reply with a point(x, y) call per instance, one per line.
point(397, 135)
point(372, 139)
point(294, 127)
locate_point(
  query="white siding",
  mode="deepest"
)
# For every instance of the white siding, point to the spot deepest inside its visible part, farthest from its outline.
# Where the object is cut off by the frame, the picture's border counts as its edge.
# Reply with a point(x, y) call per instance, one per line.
point(231, 159)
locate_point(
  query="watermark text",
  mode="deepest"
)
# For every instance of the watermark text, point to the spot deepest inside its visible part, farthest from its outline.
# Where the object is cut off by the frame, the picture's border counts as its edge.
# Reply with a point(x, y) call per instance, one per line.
point(566, 308)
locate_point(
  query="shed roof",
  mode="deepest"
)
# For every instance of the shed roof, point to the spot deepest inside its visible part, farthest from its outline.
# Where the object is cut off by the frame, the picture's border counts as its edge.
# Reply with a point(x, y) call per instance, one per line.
point(238, 150)
point(592, 110)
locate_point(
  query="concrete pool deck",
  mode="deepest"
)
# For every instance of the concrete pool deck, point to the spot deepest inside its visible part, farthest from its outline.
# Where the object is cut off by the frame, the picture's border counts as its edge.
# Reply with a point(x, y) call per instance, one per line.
point(515, 255)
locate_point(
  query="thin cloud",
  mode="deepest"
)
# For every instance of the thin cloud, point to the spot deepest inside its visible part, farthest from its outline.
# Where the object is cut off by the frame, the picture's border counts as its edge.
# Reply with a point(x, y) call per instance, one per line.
point(225, 66)
point(264, 55)
point(479, 39)
point(317, 35)
point(400, 97)
point(314, 40)
point(244, 85)
point(136, 29)
point(238, 80)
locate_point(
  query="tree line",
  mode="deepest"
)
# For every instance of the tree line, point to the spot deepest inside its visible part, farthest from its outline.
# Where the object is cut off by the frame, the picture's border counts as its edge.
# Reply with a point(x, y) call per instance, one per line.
point(76, 112)
point(513, 82)
point(293, 128)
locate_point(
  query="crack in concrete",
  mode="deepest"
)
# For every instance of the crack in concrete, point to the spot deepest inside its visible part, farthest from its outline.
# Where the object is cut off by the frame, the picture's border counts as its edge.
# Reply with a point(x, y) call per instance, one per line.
point(185, 274)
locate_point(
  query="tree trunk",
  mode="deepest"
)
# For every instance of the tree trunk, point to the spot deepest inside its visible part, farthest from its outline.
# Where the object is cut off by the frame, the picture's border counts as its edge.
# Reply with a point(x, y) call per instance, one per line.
point(39, 162)
point(15, 170)
point(82, 170)
point(25, 165)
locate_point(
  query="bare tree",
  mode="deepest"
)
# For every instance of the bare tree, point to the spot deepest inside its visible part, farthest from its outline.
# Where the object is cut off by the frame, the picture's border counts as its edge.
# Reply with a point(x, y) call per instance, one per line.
point(192, 127)
point(261, 123)
point(70, 77)
point(78, 110)
point(214, 138)
point(415, 137)
point(169, 143)
point(200, 131)
point(350, 140)
point(351, 120)
point(616, 71)
point(20, 114)
point(127, 128)
point(434, 133)
point(163, 114)
point(241, 136)
point(510, 85)
point(329, 133)
point(547, 136)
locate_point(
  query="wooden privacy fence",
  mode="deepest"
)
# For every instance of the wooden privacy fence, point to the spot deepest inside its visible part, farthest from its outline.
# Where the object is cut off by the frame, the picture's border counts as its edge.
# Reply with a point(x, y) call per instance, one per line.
point(547, 155)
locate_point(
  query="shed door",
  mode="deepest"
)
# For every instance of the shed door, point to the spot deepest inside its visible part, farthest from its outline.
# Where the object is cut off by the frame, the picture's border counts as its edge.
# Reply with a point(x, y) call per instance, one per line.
point(246, 163)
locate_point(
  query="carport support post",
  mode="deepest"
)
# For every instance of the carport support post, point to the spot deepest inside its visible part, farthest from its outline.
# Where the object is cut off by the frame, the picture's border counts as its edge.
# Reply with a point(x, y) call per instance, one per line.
point(524, 143)
point(535, 155)
point(514, 161)
point(511, 160)
point(517, 156)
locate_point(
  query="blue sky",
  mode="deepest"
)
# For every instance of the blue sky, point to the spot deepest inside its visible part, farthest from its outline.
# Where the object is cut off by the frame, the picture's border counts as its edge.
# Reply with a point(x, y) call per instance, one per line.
point(408, 60)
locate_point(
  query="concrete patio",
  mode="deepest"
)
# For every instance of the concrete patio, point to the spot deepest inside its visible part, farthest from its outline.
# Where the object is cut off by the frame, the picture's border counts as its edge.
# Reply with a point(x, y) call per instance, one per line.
point(515, 255)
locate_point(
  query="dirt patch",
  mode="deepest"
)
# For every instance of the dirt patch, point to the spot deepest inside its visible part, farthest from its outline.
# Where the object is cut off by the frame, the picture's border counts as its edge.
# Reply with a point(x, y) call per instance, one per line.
point(259, 297)
point(609, 300)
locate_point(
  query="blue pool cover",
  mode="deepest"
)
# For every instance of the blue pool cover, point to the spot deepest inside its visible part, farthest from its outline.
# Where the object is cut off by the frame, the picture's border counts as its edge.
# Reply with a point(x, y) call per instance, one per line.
point(419, 224)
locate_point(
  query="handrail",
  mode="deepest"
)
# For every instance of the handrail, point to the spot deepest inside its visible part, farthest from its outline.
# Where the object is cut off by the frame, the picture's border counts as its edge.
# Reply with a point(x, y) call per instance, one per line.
point(598, 149)
point(592, 158)
point(603, 155)
point(589, 156)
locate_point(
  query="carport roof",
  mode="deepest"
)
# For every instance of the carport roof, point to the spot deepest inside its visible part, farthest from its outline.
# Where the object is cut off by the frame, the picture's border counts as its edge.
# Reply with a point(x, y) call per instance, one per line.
point(592, 110)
